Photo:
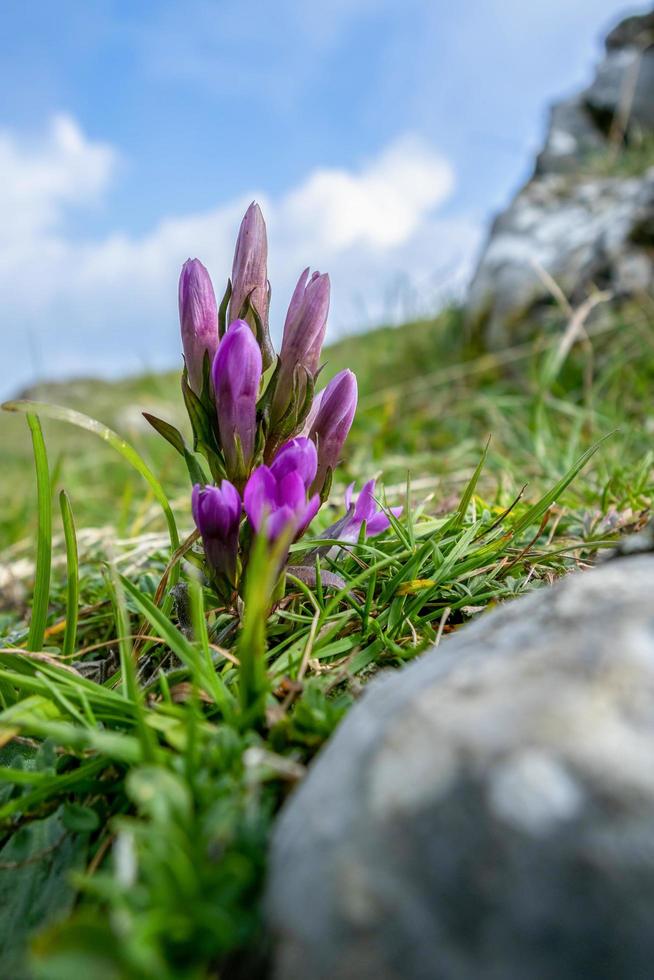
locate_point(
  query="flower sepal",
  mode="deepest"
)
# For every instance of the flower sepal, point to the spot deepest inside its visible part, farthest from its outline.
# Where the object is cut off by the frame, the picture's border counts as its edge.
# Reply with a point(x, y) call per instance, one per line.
point(222, 310)
point(249, 313)
point(205, 434)
point(296, 411)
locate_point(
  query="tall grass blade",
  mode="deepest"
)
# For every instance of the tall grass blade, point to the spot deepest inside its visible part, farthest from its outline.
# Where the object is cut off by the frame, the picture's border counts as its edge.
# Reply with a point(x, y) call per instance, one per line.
point(44, 538)
point(261, 577)
point(61, 414)
point(131, 688)
point(534, 514)
point(464, 503)
point(72, 574)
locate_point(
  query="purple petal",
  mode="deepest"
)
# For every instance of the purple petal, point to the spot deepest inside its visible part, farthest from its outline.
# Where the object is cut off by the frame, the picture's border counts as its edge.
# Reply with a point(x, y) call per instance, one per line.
point(317, 312)
point(332, 421)
point(236, 374)
point(279, 521)
point(198, 317)
point(259, 495)
point(348, 496)
point(296, 299)
point(366, 507)
point(310, 511)
point(249, 273)
point(378, 523)
point(297, 455)
point(232, 498)
point(291, 491)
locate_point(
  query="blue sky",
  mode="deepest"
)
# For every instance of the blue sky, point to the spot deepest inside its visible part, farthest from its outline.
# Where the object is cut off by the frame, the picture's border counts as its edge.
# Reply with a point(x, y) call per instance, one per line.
point(379, 136)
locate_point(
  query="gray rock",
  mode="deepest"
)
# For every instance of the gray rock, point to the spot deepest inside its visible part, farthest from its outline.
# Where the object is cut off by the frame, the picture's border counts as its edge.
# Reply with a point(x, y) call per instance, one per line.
point(629, 59)
point(487, 813)
point(584, 229)
point(572, 136)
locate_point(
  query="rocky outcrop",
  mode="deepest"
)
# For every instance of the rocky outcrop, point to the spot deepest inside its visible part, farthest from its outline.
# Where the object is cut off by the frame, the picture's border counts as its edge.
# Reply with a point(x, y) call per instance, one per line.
point(587, 216)
point(488, 813)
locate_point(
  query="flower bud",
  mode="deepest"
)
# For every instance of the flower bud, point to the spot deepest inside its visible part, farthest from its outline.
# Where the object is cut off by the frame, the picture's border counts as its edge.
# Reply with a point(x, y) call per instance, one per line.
point(277, 494)
point(198, 317)
point(217, 515)
point(249, 269)
point(329, 422)
point(236, 374)
point(306, 322)
point(304, 332)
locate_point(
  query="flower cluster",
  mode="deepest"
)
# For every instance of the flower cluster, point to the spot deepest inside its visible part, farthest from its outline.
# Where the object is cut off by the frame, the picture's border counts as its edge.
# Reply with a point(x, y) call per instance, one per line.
point(270, 441)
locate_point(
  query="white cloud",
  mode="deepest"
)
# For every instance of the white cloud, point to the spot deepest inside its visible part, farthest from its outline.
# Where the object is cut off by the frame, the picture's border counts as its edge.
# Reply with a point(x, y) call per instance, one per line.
point(38, 181)
point(109, 305)
point(378, 208)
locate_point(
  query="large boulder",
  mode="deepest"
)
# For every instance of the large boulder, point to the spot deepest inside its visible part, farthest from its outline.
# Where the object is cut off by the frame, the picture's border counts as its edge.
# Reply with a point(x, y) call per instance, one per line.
point(586, 217)
point(488, 812)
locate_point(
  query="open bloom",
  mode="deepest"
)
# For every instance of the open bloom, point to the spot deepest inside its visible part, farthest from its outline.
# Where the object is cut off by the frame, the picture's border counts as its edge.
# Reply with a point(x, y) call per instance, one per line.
point(217, 514)
point(365, 509)
point(249, 269)
point(236, 376)
point(329, 422)
point(278, 494)
point(198, 317)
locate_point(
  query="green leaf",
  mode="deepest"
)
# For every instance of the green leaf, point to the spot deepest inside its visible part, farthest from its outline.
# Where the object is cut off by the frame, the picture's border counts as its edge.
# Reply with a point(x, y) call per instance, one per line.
point(35, 888)
point(168, 431)
point(222, 310)
point(204, 431)
point(176, 440)
point(79, 819)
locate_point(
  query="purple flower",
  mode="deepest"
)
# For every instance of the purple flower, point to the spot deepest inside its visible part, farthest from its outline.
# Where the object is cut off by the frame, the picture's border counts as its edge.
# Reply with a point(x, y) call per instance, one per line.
point(198, 317)
point(217, 515)
point(249, 269)
point(278, 493)
point(236, 374)
point(329, 422)
point(366, 510)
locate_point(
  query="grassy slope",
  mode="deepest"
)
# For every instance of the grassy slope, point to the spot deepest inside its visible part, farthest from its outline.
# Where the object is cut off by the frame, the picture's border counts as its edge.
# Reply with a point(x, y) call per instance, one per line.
point(192, 789)
point(425, 407)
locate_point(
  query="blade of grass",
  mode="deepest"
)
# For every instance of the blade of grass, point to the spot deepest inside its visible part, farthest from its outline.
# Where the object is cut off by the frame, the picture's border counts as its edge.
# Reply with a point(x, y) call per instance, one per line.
point(535, 512)
point(464, 503)
point(178, 643)
point(44, 537)
point(61, 414)
point(261, 578)
point(217, 690)
point(72, 574)
point(131, 688)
